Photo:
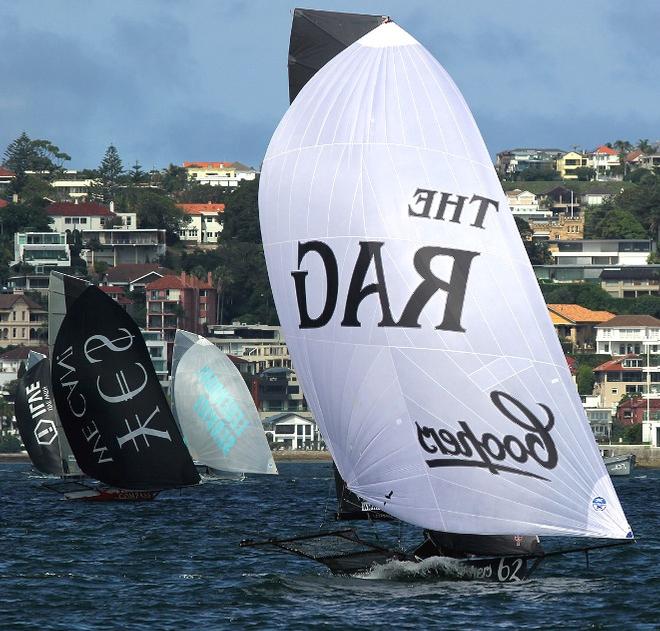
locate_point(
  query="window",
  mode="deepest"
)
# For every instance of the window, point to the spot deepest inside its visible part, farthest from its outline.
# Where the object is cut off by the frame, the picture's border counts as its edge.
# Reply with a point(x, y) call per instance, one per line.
point(68, 220)
point(83, 220)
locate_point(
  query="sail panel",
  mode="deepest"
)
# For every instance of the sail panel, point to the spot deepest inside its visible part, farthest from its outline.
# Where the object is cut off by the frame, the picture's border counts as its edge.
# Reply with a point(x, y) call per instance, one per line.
point(352, 507)
point(111, 404)
point(317, 36)
point(410, 309)
point(215, 410)
point(36, 417)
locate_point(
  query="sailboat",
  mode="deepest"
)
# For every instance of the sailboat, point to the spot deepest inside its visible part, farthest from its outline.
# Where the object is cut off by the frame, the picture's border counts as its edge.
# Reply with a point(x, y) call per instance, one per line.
point(416, 325)
point(215, 412)
point(38, 423)
point(110, 402)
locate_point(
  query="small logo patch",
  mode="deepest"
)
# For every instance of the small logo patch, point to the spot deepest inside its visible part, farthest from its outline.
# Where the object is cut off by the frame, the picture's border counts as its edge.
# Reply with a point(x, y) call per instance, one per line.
point(599, 503)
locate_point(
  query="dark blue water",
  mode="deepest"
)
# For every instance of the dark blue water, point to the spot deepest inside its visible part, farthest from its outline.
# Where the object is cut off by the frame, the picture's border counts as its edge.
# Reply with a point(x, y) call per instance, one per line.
point(175, 563)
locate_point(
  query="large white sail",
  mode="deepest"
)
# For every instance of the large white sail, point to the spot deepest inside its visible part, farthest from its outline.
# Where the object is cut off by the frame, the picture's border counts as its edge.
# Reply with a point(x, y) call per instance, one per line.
point(412, 314)
point(215, 410)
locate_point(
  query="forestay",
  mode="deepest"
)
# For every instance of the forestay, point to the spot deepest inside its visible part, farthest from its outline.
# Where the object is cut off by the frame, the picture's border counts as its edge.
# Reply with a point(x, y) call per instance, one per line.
point(412, 314)
point(215, 410)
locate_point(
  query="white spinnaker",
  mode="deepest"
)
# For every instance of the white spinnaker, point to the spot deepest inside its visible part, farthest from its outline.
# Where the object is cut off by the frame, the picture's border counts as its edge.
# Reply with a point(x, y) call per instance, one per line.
point(378, 122)
point(215, 410)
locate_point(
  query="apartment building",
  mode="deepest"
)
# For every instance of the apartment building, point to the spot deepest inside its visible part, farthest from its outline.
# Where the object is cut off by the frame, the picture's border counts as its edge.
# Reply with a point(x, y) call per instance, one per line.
point(41, 250)
point(205, 223)
point(23, 322)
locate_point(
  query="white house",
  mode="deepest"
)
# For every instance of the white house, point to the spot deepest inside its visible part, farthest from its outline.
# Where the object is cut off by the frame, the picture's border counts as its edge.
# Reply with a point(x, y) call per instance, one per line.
point(291, 431)
point(72, 188)
point(627, 334)
point(205, 223)
point(525, 205)
point(114, 247)
point(88, 216)
point(41, 250)
point(227, 174)
point(603, 252)
point(604, 160)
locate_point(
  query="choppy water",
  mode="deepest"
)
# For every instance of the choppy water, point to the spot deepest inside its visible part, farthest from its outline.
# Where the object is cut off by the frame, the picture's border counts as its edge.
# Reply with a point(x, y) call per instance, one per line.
point(175, 564)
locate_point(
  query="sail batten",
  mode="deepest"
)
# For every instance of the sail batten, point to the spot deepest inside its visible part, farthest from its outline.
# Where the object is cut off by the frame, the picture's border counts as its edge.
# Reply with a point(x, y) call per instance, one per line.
point(411, 312)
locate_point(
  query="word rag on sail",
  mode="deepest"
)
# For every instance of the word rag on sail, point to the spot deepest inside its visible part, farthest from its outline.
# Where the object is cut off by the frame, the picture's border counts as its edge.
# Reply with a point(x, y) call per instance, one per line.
point(410, 309)
point(214, 409)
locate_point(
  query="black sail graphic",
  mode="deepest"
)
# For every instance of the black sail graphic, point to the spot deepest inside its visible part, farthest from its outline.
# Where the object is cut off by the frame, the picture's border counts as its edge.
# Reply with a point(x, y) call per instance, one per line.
point(110, 402)
point(37, 420)
point(350, 506)
point(317, 36)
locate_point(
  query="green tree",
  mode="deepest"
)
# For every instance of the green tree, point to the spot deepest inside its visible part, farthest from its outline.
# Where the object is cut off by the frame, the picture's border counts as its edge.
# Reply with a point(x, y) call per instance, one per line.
point(136, 175)
point(585, 379)
point(620, 224)
point(644, 146)
point(24, 154)
point(537, 251)
point(109, 176)
point(585, 174)
point(156, 210)
point(173, 179)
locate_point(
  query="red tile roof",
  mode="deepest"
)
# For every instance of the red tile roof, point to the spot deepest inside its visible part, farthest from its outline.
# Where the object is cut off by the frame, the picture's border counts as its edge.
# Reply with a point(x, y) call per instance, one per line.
point(3, 203)
point(108, 289)
point(179, 282)
point(84, 209)
point(6, 172)
point(605, 149)
point(616, 365)
point(208, 165)
point(202, 209)
point(580, 314)
point(633, 155)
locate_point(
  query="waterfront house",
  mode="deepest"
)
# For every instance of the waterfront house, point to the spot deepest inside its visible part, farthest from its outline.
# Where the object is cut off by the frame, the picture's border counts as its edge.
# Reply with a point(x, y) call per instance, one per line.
point(277, 390)
point(43, 251)
point(68, 216)
point(134, 276)
point(567, 164)
point(631, 281)
point(606, 163)
point(626, 334)
point(618, 377)
point(575, 325)
point(205, 223)
point(226, 174)
point(180, 302)
point(558, 228)
point(289, 430)
point(22, 321)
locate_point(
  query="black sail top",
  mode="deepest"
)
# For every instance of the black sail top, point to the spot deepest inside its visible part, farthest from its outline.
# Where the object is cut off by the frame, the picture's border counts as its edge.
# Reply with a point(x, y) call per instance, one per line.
point(37, 420)
point(111, 405)
point(317, 36)
point(350, 506)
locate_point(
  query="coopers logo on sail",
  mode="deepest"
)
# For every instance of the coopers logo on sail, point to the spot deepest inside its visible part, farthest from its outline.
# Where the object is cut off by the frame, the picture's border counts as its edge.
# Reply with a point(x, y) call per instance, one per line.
point(497, 454)
point(425, 204)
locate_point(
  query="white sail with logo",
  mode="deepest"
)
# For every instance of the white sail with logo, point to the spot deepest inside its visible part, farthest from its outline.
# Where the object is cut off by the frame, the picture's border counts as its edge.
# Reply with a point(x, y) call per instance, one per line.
point(412, 314)
point(214, 409)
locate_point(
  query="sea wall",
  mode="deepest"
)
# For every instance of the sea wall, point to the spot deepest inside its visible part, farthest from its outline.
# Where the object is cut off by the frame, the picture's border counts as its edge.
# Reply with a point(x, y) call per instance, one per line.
point(646, 456)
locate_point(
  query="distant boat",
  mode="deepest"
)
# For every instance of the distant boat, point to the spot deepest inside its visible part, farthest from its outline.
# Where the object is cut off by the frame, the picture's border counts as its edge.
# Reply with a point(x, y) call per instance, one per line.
point(620, 465)
point(111, 405)
point(39, 424)
point(215, 411)
point(415, 322)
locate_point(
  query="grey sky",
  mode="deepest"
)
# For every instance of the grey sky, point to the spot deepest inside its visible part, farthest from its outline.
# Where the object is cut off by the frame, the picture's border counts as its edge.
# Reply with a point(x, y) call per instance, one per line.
point(168, 81)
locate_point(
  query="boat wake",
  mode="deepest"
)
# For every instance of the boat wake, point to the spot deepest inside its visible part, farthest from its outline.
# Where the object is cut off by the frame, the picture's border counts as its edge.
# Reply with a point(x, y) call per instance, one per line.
point(434, 567)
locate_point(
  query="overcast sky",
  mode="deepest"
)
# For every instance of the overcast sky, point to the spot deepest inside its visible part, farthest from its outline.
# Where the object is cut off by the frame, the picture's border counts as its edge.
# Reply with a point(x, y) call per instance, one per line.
point(167, 81)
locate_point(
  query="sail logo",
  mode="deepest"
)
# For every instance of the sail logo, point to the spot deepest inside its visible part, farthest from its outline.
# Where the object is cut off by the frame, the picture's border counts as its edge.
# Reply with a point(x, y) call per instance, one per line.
point(45, 432)
point(497, 455)
point(599, 503)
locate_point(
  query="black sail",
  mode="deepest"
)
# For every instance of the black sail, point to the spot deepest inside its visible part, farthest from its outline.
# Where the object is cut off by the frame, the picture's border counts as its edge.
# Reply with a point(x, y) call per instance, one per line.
point(317, 36)
point(350, 506)
point(111, 405)
point(37, 420)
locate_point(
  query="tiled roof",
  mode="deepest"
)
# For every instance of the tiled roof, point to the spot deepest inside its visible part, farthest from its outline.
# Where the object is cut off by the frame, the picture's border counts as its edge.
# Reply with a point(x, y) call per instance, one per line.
point(7, 301)
point(127, 272)
point(615, 365)
point(605, 149)
point(177, 282)
point(21, 352)
point(633, 155)
point(108, 289)
point(202, 209)
point(579, 314)
point(208, 165)
point(3, 203)
point(6, 172)
point(84, 209)
point(631, 320)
